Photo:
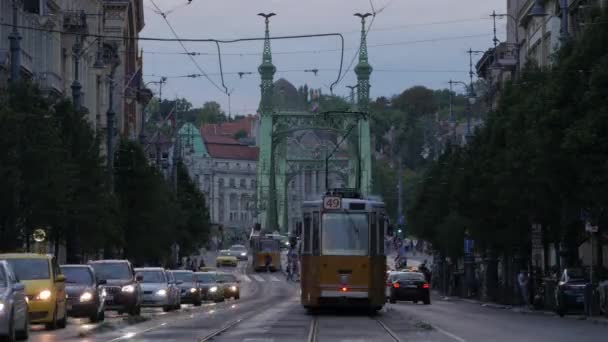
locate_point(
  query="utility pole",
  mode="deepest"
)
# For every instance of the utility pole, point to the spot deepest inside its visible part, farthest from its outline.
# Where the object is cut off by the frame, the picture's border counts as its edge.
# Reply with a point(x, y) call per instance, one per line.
point(176, 146)
point(110, 114)
point(352, 94)
point(472, 98)
point(15, 39)
point(76, 86)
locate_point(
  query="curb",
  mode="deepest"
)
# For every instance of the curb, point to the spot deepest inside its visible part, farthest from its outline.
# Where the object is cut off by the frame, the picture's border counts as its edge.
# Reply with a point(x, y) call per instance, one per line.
point(595, 319)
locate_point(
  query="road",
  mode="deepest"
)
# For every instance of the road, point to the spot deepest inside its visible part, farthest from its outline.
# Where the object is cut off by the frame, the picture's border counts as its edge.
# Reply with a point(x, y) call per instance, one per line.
point(269, 311)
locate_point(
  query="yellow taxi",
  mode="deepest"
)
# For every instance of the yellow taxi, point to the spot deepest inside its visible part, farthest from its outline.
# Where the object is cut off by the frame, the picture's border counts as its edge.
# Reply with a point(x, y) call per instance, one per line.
point(44, 287)
point(226, 258)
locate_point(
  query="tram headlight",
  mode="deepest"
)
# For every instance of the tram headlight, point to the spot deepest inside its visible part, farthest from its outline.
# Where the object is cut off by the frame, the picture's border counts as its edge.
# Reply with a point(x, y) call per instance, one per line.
point(213, 289)
point(233, 288)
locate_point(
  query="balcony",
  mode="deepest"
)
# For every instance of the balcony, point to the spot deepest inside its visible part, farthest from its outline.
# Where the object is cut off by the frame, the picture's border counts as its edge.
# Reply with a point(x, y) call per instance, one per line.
point(51, 83)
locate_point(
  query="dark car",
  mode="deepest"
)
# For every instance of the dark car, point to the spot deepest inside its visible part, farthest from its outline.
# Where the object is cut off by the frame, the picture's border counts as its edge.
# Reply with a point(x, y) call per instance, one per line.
point(83, 289)
point(230, 283)
point(570, 292)
point(409, 286)
point(209, 287)
point(122, 288)
point(189, 291)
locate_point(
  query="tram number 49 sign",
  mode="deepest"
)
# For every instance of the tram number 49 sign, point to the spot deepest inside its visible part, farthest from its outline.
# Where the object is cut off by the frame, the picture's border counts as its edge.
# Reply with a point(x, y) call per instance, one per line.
point(332, 203)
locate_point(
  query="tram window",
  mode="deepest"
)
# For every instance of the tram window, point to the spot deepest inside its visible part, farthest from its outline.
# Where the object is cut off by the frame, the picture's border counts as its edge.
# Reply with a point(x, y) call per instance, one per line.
point(374, 234)
point(315, 233)
point(306, 236)
point(345, 234)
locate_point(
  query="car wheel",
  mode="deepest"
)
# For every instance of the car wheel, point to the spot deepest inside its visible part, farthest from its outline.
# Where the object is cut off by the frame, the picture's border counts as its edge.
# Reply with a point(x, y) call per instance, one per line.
point(427, 301)
point(392, 300)
point(10, 334)
point(167, 308)
point(415, 302)
point(237, 297)
point(135, 310)
point(94, 317)
point(198, 303)
point(52, 325)
point(25, 332)
point(101, 316)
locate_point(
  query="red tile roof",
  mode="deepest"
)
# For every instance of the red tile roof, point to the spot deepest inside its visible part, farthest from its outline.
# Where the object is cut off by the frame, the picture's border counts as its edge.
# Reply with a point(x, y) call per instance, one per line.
point(229, 151)
point(229, 128)
point(220, 139)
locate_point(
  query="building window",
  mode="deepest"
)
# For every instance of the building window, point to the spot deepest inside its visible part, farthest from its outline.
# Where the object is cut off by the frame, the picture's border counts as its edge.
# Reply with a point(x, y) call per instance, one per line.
point(234, 202)
point(243, 183)
point(307, 182)
point(232, 183)
point(253, 183)
point(244, 201)
point(220, 182)
point(220, 207)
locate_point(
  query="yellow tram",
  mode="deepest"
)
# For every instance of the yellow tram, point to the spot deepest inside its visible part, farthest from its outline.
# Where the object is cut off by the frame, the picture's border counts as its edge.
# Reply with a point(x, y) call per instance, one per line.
point(343, 263)
point(264, 249)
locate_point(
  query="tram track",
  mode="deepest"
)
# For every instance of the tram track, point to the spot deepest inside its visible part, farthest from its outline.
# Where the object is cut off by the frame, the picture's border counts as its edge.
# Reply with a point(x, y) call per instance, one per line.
point(313, 333)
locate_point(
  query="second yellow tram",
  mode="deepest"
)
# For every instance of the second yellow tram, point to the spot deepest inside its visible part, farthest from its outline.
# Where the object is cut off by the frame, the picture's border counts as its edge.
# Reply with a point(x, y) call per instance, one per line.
point(265, 253)
point(343, 263)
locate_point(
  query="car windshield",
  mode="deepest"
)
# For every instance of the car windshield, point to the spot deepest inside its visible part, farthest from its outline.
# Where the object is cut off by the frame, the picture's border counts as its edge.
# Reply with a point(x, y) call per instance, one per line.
point(77, 275)
point(3, 280)
point(225, 253)
point(409, 276)
point(576, 274)
point(205, 278)
point(228, 278)
point(152, 276)
point(238, 248)
point(30, 269)
point(186, 277)
point(112, 271)
point(269, 245)
point(345, 234)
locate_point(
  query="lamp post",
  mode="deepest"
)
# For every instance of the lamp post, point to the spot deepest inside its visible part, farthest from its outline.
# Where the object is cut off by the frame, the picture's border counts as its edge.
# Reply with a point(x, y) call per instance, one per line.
point(495, 15)
point(114, 62)
point(15, 39)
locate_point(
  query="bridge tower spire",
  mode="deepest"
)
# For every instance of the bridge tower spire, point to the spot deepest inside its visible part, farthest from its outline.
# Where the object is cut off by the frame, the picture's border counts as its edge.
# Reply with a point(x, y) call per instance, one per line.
point(266, 185)
point(363, 70)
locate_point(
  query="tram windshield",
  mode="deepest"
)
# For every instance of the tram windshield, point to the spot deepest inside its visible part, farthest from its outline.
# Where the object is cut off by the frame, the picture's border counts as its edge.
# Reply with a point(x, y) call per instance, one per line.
point(345, 234)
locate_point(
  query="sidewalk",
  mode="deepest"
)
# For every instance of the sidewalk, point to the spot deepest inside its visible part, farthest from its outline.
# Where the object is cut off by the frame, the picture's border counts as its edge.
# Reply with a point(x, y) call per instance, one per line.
point(601, 320)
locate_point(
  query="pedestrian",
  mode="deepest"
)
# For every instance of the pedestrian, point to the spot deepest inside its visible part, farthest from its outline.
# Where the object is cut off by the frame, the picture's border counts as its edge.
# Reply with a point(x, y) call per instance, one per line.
point(522, 281)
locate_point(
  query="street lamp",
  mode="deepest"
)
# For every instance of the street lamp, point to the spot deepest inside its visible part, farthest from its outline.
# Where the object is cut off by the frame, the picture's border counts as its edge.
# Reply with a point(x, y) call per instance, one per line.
point(517, 46)
point(538, 11)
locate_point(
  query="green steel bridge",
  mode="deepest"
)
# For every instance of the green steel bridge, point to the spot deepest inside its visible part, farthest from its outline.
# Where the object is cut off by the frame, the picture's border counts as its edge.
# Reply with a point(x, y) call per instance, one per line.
point(275, 167)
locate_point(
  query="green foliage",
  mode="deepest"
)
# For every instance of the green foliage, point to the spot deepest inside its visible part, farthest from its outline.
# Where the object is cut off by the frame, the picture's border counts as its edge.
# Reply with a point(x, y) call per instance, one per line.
point(194, 229)
point(240, 134)
point(540, 158)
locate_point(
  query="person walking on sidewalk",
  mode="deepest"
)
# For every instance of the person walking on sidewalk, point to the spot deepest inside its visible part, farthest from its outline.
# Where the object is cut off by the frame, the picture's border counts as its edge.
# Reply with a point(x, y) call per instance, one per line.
point(522, 282)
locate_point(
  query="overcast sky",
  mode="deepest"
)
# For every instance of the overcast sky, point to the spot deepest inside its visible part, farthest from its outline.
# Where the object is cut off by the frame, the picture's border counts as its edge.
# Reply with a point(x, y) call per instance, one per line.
point(411, 42)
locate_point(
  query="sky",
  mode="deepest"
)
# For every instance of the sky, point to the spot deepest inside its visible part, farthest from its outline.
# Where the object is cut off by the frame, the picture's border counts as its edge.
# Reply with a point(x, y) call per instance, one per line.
point(411, 42)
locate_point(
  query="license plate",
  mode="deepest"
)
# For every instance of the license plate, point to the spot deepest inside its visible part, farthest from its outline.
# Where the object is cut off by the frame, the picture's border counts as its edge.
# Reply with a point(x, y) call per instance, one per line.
point(580, 299)
point(109, 297)
point(411, 286)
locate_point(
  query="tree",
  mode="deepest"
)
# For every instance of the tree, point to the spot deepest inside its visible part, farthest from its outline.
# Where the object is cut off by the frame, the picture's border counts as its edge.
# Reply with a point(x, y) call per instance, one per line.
point(193, 232)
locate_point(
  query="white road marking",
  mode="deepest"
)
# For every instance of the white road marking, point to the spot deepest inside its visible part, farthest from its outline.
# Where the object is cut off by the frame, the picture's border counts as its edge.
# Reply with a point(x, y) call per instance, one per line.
point(449, 334)
point(246, 278)
point(257, 277)
point(273, 278)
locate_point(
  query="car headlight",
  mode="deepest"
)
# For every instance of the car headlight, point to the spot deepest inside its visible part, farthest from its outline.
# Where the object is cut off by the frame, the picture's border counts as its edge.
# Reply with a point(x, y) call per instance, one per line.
point(128, 289)
point(86, 297)
point(161, 292)
point(1, 307)
point(213, 289)
point(243, 254)
point(192, 290)
point(44, 295)
point(104, 293)
point(233, 288)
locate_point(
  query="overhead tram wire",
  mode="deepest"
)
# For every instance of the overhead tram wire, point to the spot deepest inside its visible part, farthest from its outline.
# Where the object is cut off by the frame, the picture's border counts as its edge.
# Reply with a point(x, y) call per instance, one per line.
point(200, 69)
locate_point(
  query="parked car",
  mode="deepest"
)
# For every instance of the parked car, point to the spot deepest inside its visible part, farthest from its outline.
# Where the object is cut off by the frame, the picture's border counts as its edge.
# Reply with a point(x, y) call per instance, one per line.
point(157, 289)
point(122, 288)
point(226, 258)
point(44, 287)
point(240, 252)
point(208, 286)
point(409, 286)
point(85, 295)
point(189, 292)
point(13, 306)
point(231, 285)
point(570, 292)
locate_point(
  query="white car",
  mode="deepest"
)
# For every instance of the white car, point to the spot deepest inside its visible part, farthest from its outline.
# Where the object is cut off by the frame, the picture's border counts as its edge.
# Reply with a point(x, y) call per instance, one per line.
point(14, 322)
point(158, 289)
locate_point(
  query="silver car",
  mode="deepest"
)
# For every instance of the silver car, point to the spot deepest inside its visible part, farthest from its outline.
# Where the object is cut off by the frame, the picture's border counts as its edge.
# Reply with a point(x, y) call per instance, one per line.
point(157, 289)
point(14, 322)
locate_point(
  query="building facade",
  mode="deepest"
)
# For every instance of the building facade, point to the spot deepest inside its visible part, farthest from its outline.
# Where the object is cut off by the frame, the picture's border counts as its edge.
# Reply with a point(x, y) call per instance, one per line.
point(84, 42)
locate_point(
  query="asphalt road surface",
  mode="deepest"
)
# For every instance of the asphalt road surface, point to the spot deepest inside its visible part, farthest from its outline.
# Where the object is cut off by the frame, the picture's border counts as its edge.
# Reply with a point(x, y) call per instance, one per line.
point(269, 311)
